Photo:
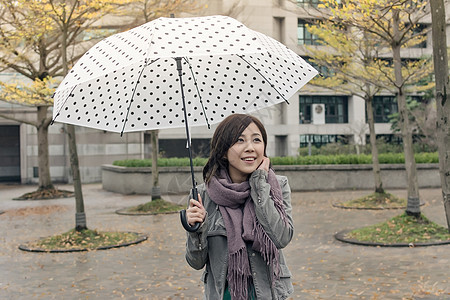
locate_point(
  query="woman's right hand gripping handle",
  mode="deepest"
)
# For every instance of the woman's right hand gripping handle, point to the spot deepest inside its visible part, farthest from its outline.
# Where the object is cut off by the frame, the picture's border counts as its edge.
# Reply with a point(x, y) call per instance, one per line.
point(194, 215)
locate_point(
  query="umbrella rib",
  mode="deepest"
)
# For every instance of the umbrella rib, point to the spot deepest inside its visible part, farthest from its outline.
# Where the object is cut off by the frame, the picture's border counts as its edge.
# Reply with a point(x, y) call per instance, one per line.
point(257, 70)
point(132, 96)
point(198, 92)
point(62, 106)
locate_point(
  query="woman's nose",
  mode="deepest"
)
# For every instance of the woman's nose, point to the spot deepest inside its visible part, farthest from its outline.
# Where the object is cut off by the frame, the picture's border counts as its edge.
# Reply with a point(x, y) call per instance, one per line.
point(249, 147)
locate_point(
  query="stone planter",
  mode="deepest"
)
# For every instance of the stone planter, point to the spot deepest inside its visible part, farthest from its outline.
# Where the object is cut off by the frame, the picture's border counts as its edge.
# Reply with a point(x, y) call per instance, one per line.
point(172, 180)
point(175, 180)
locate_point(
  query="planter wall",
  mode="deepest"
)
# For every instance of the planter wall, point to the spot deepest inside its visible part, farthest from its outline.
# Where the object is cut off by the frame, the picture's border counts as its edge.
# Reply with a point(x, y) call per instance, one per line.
point(174, 180)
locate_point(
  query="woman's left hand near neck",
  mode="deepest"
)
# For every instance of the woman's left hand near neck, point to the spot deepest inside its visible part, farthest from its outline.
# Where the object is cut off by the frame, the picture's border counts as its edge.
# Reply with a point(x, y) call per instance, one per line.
point(265, 164)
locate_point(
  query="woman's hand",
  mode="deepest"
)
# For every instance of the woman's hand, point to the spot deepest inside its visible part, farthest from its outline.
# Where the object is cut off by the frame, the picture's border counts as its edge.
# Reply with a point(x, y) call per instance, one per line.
point(196, 212)
point(265, 164)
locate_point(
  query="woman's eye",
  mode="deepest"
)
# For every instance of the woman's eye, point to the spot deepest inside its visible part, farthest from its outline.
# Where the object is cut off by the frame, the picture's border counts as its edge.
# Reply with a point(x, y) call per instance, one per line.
point(240, 140)
point(257, 140)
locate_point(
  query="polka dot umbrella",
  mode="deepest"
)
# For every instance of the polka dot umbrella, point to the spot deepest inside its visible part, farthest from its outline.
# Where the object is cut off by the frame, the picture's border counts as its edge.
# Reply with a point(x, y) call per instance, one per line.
point(178, 72)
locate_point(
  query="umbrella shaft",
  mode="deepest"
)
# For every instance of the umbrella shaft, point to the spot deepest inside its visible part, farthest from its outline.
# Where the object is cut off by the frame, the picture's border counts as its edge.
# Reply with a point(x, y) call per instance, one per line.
point(180, 74)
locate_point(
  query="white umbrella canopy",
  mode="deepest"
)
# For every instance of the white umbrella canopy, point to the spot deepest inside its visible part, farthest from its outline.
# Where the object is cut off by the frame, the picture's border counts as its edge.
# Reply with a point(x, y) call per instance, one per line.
point(129, 81)
point(176, 72)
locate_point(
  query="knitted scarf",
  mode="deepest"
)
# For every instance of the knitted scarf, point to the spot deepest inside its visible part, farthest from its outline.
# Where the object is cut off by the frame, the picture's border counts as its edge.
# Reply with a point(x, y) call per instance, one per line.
point(238, 212)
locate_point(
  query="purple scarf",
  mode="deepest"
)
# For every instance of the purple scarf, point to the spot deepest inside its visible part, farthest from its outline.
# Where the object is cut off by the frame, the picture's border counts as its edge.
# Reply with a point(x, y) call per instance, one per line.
point(238, 212)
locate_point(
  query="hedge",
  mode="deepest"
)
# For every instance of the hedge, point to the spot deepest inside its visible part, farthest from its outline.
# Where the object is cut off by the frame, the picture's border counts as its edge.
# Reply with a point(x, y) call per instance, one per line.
point(352, 159)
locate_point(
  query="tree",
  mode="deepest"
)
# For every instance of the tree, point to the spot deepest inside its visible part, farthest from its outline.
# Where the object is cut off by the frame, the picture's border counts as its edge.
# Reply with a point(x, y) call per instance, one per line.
point(422, 116)
point(23, 39)
point(396, 24)
point(37, 39)
point(70, 17)
point(349, 57)
point(442, 100)
point(36, 94)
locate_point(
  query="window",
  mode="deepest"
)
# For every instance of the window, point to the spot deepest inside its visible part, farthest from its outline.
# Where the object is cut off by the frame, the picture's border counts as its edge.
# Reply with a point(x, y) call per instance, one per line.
point(95, 34)
point(383, 106)
point(281, 145)
point(419, 29)
point(177, 147)
point(313, 3)
point(319, 140)
point(336, 108)
point(304, 37)
point(323, 70)
point(389, 61)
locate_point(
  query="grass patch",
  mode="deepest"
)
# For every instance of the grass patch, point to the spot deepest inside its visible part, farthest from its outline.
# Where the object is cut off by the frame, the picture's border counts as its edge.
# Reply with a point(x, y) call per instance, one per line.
point(84, 239)
point(402, 229)
point(156, 206)
point(376, 201)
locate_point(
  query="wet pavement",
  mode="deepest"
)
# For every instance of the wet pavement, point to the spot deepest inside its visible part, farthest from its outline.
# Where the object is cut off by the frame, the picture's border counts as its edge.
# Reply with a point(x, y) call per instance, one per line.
point(322, 267)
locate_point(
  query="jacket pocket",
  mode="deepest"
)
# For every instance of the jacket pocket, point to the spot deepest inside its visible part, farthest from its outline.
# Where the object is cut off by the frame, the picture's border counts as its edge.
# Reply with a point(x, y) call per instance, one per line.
point(283, 286)
point(284, 271)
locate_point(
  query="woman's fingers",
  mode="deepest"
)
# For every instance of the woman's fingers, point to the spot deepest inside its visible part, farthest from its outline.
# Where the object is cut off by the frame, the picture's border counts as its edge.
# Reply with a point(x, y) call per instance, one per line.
point(193, 202)
point(196, 212)
point(265, 164)
point(195, 215)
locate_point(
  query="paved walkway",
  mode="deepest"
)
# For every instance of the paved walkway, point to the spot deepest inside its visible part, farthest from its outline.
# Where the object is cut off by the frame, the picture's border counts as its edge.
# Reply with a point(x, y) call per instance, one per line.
point(322, 267)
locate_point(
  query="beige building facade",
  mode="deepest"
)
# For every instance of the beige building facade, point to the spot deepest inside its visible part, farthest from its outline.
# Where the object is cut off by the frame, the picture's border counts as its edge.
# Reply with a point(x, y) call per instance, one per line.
point(313, 116)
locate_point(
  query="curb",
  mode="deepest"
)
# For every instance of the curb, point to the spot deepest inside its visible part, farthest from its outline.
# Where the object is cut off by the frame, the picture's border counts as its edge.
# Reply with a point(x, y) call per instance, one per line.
point(141, 238)
point(371, 208)
point(123, 211)
point(340, 236)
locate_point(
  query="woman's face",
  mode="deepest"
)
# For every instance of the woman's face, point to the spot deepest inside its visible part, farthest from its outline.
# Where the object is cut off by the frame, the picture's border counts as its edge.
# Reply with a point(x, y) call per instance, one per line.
point(246, 154)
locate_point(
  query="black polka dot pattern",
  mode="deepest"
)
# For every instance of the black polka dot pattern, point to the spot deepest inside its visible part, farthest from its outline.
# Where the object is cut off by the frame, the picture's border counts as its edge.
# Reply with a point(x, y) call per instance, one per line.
point(129, 81)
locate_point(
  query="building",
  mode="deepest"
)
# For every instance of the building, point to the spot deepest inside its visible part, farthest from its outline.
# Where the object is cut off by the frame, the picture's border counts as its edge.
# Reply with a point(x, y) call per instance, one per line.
point(314, 116)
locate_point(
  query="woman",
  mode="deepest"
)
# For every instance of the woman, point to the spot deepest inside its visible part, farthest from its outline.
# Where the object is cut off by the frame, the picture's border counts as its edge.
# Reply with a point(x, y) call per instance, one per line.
point(245, 215)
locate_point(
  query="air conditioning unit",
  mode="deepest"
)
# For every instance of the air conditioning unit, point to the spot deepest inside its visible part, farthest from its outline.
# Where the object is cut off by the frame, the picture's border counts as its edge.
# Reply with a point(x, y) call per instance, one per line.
point(318, 114)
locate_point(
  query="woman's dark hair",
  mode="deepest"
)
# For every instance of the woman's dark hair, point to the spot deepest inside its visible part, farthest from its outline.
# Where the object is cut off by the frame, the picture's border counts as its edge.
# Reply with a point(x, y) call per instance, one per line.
point(225, 136)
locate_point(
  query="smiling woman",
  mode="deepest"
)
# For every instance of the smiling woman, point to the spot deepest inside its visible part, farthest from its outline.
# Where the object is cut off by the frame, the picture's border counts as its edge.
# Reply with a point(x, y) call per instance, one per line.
point(247, 154)
point(245, 214)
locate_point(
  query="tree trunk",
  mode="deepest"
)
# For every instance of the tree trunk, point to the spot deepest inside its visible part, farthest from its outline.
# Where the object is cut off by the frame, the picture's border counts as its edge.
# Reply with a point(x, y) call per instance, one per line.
point(45, 181)
point(80, 216)
point(442, 104)
point(156, 191)
point(373, 145)
point(413, 204)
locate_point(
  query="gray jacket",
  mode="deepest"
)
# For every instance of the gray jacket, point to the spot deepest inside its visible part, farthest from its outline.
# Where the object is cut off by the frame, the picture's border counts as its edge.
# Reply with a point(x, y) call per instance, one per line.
point(208, 246)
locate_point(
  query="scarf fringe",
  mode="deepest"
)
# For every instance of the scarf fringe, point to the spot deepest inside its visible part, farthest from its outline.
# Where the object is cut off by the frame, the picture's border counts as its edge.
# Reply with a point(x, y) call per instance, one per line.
point(268, 250)
point(243, 226)
point(238, 274)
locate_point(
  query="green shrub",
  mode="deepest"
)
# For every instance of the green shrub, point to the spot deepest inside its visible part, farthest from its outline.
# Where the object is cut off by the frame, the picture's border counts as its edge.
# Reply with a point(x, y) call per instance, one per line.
point(341, 159)
point(162, 162)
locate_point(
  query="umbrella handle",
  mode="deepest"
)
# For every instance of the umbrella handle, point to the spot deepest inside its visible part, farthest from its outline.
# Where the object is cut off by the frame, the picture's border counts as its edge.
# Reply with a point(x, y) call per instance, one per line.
point(183, 218)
